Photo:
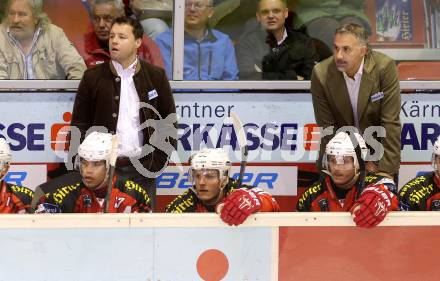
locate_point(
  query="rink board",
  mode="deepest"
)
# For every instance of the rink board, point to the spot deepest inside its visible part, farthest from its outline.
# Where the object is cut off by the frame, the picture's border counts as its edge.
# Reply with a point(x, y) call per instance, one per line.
point(282, 150)
point(267, 247)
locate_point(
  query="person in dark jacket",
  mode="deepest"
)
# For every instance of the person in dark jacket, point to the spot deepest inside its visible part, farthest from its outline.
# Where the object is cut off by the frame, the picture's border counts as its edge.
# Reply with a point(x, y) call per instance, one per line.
point(277, 53)
point(133, 99)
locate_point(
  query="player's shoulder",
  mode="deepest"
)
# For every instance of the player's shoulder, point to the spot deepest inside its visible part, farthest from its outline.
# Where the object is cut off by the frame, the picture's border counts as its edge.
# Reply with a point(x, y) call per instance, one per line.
point(421, 182)
point(23, 193)
point(183, 203)
point(310, 194)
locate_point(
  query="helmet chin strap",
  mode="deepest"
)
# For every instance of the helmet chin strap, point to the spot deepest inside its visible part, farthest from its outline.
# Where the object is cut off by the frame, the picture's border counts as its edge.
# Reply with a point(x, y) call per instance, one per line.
point(102, 184)
point(349, 183)
point(219, 196)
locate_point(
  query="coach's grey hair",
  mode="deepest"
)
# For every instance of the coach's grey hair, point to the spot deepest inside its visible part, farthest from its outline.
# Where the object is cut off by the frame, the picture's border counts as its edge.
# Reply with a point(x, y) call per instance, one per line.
point(356, 30)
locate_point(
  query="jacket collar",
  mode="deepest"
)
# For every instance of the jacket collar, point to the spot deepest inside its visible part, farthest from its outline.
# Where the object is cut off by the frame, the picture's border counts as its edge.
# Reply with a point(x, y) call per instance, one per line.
point(115, 73)
point(209, 36)
point(91, 44)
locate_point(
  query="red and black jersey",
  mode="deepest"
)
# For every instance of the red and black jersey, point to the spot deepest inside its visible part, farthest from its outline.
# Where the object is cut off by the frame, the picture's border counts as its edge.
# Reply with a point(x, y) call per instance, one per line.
point(14, 199)
point(74, 197)
point(421, 194)
point(324, 196)
point(188, 202)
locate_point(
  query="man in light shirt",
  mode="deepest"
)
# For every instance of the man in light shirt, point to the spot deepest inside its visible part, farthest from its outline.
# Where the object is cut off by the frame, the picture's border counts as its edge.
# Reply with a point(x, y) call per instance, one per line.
point(359, 87)
point(33, 48)
point(133, 99)
point(208, 53)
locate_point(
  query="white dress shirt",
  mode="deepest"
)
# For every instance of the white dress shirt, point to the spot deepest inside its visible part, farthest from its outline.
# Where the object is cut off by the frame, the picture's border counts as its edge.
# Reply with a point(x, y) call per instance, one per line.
point(128, 128)
point(353, 86)
point(284, 37)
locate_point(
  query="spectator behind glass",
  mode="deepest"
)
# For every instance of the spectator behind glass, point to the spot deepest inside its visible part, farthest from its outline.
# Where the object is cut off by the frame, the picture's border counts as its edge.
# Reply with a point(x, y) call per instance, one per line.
point(33, 48)
point(322, 17)
point(152, 15)
point(208, 53)
point(270, 51)
point(96, 48)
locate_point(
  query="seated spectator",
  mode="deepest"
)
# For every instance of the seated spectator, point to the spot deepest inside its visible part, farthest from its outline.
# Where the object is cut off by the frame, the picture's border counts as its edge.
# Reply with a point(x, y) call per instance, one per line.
point(153, 14)
point(87, 194)
point(271, 51)
point(322, 17)
point(214, 191)
point(423, 193)
point(342, 187)
point(33, 48)
point(208, 53)
point(96, 48)
point(13, 199)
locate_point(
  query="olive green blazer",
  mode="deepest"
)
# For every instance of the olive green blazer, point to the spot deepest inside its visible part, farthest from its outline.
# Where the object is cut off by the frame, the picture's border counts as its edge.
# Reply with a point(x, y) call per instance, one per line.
point(332, 107)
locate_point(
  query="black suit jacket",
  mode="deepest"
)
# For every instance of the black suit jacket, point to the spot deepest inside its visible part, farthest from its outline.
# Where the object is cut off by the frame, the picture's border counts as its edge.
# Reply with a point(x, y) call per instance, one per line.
point(97, 104)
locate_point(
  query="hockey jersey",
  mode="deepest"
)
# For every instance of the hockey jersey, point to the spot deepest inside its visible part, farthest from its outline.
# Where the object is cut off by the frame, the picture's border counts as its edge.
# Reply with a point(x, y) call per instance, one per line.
point(188, 202)
point(324, 196)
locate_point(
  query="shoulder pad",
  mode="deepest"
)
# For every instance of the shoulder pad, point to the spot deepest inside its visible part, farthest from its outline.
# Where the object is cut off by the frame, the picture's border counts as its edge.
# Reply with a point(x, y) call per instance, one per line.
point(25, 194)
point(184, 203)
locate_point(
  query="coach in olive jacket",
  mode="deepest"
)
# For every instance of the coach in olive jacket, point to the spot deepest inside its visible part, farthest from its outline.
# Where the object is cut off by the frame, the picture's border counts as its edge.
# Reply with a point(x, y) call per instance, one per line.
point(378, 99)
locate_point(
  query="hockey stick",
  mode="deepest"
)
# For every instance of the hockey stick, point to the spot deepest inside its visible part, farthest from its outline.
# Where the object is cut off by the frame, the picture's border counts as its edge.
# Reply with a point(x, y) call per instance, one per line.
point(111, 172)
point(241, 138)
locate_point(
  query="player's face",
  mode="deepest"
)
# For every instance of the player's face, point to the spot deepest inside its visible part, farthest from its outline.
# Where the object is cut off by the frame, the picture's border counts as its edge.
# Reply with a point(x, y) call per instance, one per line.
point(272, 14)
point(123, 46)
point(93, 173)
point(437, 164)
point(4, 167)
point(207, 184)
point(342, 170)
point(20, 20)
point(102, 17)
point(348, 53)
point(197, 13)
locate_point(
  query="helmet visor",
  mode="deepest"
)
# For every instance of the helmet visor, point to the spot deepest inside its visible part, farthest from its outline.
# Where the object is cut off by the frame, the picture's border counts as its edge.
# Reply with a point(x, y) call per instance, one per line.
point(203, 174)
point(339, 162)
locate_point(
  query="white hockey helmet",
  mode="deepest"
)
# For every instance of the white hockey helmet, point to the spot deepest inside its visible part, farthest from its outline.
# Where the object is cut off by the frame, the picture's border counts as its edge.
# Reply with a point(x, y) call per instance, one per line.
point(212, 159)
point(96, 147)
point(435, 153)
point(5, 154)
point(340, 145)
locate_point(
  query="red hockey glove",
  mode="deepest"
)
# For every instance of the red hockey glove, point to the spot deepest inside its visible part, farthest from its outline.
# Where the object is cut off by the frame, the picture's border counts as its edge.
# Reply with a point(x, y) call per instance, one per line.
point(371, 207)
point(239, 205)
